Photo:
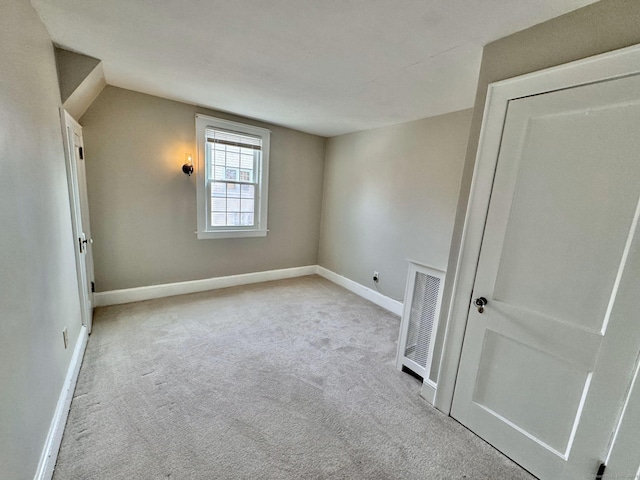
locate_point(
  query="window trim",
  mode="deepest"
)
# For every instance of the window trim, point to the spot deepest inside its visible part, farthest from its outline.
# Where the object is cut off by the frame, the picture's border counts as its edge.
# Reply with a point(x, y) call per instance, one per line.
point(205, 231)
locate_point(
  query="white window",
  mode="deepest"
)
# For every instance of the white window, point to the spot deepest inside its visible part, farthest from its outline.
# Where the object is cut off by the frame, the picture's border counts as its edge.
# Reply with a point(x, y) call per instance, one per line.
point(233, 178)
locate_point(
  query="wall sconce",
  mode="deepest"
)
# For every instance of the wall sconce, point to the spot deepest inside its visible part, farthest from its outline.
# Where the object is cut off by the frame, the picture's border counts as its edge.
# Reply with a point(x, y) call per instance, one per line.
point(188, 166)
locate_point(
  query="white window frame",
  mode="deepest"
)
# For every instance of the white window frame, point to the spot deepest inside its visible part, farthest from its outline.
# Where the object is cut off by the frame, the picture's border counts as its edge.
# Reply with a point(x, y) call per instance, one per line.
point(203, 195)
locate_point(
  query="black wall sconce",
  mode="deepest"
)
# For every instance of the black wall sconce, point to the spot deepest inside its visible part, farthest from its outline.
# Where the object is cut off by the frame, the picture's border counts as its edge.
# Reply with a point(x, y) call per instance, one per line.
point(188, 166)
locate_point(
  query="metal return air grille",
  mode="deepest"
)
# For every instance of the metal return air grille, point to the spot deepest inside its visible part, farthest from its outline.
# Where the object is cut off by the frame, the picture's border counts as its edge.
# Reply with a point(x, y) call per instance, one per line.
point(423, 296)
point(421, 318)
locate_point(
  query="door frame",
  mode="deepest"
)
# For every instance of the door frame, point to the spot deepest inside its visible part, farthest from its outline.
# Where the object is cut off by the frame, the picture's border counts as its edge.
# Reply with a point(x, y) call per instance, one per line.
point(86, 298)
point(607, 66)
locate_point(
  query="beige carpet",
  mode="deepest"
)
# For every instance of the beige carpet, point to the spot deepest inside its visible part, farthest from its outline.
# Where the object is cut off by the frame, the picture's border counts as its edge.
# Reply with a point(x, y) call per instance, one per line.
point(292, 379)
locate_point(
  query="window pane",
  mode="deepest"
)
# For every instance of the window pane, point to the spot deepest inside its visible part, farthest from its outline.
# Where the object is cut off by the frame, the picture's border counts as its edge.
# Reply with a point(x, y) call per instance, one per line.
point(233, 219)
point(247, 162)
point(233, 205)
point(248, 191)
point(233, 190)
point(231, 174)
point(218, 157)
point(247, 205)
point(218, 173)
point(233, 159)
point(246, 219)
point(218, 189)
point(219, 204)
point(246, 175)
point(218, 219)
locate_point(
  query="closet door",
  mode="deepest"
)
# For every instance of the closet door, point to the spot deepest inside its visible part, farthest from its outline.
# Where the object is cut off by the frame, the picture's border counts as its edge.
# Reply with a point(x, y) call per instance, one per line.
point(552, 332)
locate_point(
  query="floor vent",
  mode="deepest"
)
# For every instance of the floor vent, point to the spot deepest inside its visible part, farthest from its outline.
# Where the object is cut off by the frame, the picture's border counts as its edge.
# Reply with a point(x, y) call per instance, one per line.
point(423, 297)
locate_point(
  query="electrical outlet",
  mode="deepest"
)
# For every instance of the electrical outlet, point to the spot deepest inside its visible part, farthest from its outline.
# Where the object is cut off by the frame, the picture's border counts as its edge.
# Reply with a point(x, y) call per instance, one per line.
point(65, 338)
point(376, 277)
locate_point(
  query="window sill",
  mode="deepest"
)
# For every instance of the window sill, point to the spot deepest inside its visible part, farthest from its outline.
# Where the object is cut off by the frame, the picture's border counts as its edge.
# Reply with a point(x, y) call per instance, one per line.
point(231, 234)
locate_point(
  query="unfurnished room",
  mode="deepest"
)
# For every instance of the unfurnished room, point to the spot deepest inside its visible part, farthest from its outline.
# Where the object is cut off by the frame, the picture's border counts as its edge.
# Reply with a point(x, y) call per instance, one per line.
point(316, 239)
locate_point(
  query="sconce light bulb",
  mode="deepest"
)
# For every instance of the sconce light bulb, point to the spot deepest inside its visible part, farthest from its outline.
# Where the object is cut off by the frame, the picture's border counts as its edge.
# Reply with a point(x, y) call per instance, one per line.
point(187, 168)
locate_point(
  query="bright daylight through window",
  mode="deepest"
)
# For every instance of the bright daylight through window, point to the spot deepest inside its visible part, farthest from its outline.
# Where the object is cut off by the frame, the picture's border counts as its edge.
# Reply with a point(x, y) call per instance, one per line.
point(233, 173)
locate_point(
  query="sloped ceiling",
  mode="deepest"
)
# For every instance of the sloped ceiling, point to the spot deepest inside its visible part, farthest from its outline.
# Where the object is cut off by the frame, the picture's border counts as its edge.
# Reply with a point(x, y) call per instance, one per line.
point(321, 66)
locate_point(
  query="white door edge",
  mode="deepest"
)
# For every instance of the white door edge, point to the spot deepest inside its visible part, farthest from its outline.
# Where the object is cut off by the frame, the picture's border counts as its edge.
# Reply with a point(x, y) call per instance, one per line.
point(618, 63)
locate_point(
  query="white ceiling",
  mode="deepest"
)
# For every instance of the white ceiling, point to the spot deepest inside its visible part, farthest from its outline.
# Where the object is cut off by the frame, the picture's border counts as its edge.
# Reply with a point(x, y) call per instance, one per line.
point(321, 66)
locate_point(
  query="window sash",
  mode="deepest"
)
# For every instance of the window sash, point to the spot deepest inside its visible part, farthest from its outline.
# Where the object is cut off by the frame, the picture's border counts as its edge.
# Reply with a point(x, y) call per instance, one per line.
point(210, 175)
point(211, 211)
point(211, 158)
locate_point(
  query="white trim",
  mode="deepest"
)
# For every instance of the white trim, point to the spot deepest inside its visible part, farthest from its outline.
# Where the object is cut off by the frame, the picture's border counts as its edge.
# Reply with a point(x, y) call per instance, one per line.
point(383, 301)
point(127, 295)
point(603, 67)
point(54, 437)
point(116, 297)
point(428, 390)
point(222, 123)
point(232, 234)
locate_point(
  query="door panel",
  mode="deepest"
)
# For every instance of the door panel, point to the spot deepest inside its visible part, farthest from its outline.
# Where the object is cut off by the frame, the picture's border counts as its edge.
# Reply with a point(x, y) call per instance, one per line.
point(560, 225)
point(513, 375)
point(565, 170)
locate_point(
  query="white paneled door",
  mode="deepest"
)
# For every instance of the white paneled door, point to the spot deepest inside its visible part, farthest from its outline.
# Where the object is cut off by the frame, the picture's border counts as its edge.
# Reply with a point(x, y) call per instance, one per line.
point(79, 201)
point(547, 361)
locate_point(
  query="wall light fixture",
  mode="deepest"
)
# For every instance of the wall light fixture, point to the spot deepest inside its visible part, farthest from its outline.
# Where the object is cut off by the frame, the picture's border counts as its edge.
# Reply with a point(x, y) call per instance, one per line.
point(188, 166)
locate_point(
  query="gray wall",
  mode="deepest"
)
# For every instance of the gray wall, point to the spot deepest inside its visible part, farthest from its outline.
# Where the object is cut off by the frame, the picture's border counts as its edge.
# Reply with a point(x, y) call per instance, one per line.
point(390, 194)
point(38, 286)
point(143, 208)
point(597, 28)
point(72, 69)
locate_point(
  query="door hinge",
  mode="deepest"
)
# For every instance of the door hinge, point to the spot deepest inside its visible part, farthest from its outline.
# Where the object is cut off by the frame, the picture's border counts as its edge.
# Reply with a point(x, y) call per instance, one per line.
point(81, 153)
point(93, 287)
point(600, 473)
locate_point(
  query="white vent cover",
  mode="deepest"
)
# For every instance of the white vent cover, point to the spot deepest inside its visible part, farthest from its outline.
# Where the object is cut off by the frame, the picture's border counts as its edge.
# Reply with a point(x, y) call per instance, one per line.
point(423, 296)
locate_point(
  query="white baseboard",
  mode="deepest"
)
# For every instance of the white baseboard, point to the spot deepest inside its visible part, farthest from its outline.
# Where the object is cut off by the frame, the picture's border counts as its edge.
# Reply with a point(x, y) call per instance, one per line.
point(383, 301)
point(115, 297)
point(54, 437)
point(428, 391)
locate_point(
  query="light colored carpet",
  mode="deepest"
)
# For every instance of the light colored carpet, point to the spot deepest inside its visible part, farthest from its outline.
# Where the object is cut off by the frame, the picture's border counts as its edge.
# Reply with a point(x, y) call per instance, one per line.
point(292, 379)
